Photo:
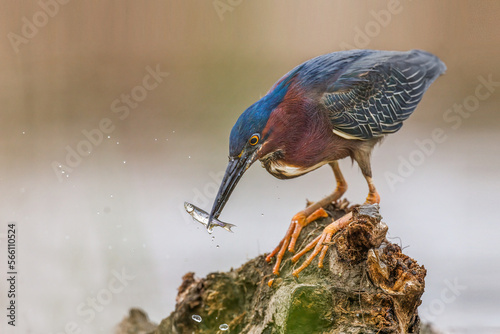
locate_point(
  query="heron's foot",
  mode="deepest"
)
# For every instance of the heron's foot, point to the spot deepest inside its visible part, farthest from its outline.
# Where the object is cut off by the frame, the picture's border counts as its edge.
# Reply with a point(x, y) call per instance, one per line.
point(321, 244)
point(373, 198)
point(288, 242)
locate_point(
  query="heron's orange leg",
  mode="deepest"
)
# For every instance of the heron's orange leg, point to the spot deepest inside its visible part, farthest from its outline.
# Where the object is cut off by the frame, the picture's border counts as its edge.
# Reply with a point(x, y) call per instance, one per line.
point(303, 218)
point(320, 244)
point(373, 196)
point(298, 222)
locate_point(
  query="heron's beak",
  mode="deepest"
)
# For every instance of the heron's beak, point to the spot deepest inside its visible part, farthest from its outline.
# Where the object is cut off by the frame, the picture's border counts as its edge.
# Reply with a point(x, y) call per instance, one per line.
point(235, 169)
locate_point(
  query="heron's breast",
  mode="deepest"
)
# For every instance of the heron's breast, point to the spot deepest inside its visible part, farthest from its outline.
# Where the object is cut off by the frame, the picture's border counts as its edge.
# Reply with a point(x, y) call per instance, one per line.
point(282, 170)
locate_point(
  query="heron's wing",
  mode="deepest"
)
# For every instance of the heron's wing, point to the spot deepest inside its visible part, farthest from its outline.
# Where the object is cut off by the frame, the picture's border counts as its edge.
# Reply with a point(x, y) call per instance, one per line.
point(376, 94)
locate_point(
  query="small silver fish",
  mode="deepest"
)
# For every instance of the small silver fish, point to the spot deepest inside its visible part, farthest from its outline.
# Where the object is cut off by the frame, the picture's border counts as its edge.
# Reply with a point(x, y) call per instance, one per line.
point(202, 217)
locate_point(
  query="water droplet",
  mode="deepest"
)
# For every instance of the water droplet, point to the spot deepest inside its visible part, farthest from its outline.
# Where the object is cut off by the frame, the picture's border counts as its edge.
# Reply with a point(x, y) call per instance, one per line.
point(196, 318)
point(173, 131)
point(156, 139)
point(262, 214)
point(111, 196)
point(189, 157)
point(124, 161)
point(109, 137)
point(217, 246)
point(224, 327)
point(24, 132)
point(117, 142)
point(98, 213)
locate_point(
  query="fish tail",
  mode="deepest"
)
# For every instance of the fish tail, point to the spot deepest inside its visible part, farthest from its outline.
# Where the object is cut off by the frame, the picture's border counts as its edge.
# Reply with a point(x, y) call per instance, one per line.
point(226, 226)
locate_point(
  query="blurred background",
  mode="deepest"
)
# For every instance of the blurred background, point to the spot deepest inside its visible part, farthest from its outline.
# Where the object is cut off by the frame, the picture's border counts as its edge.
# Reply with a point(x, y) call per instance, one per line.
point(114, 113)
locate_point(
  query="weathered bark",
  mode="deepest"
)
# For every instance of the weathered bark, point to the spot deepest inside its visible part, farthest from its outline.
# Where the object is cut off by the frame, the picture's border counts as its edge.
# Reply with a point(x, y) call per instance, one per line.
point(367, 285)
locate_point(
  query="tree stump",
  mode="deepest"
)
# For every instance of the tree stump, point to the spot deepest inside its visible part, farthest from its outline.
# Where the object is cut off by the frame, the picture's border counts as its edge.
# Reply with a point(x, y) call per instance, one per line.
point(367, 285)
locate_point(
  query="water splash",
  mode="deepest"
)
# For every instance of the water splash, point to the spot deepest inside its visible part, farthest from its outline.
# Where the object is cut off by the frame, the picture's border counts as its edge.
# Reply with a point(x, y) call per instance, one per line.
point(196, 318)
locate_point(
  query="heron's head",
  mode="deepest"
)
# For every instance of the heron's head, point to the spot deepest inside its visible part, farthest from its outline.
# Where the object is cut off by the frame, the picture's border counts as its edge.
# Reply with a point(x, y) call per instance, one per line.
point(247, 142)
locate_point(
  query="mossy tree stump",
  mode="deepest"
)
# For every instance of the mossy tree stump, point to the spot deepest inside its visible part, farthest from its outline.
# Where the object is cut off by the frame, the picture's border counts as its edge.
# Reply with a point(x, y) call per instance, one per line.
point(367, 285)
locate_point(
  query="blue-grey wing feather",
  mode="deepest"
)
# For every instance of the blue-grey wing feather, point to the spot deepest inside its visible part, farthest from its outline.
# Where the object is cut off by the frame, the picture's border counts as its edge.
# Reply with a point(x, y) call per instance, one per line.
point(377, 91)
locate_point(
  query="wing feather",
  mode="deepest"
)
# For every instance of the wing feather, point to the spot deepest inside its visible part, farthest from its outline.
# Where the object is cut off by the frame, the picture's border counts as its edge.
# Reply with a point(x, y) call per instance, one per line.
point(378, 92)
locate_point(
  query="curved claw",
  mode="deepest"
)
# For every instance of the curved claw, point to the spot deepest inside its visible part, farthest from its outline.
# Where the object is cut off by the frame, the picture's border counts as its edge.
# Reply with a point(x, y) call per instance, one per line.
point(280, 250)
point(320, 244)
point(288, 242)
point(299, 221)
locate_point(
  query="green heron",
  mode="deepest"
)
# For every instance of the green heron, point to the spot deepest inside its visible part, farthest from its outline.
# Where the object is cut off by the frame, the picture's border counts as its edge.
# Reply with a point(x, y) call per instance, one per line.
point(331, 107)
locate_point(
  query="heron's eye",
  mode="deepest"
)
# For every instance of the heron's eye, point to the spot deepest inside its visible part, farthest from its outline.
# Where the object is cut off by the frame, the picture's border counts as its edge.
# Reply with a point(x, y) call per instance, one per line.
point(253, 140)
